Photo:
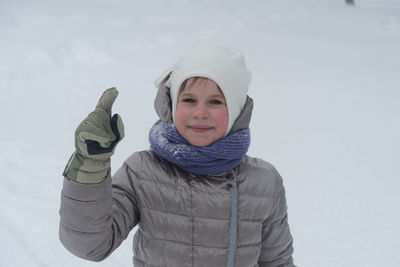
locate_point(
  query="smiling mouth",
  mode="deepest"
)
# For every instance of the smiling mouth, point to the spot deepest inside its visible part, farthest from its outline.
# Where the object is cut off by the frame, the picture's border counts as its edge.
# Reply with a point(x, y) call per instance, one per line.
point(200, 128)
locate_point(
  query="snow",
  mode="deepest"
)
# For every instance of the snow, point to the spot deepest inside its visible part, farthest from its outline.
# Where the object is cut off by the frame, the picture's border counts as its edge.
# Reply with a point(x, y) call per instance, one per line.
point(326, 89)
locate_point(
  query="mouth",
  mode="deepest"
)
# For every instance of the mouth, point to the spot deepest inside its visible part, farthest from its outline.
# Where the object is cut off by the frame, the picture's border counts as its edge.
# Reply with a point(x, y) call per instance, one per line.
point(200, 128)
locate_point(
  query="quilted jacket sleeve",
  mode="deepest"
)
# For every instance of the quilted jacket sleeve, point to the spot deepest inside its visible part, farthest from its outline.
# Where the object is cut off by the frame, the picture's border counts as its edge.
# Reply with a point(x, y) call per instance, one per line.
point(277, 242)
point(96, 218)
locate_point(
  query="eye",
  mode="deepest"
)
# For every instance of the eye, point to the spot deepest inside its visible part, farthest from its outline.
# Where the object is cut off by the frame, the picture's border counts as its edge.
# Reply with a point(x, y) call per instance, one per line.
point(216, 102)
point(188, 100)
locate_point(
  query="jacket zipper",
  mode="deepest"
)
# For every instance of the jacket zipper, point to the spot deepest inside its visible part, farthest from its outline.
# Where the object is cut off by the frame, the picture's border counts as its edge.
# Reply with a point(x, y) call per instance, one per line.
point(233, 203)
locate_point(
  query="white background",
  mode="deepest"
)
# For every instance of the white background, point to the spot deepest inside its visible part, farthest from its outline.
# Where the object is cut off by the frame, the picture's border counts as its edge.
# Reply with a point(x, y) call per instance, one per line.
point(326, 88)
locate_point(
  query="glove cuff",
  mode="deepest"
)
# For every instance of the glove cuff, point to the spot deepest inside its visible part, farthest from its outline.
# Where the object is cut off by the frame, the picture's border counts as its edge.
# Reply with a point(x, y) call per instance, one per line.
point(86, 171)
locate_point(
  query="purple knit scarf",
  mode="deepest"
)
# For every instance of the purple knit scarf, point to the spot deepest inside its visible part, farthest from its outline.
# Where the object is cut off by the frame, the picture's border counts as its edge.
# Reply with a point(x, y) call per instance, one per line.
point(216, 158)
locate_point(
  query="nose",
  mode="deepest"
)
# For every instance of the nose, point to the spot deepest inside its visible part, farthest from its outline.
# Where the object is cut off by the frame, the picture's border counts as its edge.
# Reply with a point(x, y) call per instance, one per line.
point(201, 112)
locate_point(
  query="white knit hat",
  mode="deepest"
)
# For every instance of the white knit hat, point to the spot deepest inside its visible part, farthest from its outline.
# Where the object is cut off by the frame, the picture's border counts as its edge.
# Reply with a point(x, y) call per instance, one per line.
point(224, 66)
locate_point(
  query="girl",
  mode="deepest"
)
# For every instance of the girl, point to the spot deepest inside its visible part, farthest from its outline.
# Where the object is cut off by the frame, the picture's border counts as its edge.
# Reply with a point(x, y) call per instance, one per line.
point(197, 198)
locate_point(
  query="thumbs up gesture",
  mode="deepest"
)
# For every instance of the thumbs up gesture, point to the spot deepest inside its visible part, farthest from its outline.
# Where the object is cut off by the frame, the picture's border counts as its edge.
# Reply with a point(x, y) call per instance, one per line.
point(95, 140)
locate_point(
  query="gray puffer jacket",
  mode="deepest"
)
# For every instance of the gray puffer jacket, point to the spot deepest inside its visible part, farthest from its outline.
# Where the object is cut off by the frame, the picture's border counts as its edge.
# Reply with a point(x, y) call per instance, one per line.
point(237, 218)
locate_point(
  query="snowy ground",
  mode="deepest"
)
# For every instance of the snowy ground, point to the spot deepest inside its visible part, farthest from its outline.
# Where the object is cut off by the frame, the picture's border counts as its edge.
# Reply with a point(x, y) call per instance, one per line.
point(326, 88)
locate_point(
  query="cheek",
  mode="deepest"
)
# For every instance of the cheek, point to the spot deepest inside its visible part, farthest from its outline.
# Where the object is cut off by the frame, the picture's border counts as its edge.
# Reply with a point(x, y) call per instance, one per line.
point(221, 118)
point(181, 115)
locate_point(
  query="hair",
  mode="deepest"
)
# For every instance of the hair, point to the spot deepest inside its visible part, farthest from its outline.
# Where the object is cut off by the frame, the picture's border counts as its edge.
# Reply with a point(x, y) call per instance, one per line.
point(192, 81)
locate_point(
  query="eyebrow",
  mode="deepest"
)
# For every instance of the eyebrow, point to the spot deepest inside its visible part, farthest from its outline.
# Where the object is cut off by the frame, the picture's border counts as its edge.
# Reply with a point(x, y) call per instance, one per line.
point(186, 94)
point(216, 95)
point(192, 95)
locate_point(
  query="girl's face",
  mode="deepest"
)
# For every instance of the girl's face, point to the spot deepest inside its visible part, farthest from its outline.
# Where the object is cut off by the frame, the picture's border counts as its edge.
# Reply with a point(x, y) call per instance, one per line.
point(201, 116)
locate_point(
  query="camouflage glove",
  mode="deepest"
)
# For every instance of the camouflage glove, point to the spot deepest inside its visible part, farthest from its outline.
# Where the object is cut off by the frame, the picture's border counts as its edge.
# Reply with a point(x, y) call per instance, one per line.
point(95, 141)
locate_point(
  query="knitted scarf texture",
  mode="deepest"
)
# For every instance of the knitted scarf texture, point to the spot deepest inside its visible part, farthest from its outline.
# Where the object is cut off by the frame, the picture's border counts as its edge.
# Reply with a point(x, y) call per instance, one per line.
point(220, 156)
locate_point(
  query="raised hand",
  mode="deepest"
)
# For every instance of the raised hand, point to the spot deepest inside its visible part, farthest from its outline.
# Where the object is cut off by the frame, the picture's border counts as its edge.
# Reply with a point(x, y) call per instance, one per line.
point(95, 140)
